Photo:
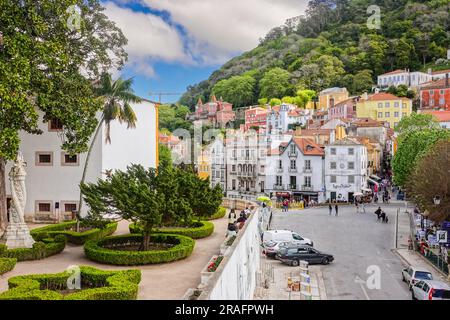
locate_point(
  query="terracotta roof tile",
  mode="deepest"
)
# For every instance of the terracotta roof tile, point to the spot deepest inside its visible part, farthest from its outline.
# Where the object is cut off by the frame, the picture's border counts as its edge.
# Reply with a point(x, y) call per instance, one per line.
point(441, 116)
point(309, 147)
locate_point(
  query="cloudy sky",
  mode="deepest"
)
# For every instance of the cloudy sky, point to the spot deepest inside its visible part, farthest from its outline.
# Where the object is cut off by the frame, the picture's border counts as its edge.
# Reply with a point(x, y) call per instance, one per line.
point(175, 43)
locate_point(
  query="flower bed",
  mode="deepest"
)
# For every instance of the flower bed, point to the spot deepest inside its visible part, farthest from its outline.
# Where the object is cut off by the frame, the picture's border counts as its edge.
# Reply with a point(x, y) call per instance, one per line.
point(198, 230)
point(209, 269)
point(77, 238)
point(214, 264)
point(40, 250)
point(7, 264)
point(103, 250)
point(98, 285)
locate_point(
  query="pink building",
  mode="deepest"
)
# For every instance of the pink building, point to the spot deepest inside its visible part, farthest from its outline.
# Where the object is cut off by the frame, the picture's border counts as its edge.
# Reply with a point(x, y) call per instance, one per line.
point(256, 117)
point(343, 110)
point(217, 112)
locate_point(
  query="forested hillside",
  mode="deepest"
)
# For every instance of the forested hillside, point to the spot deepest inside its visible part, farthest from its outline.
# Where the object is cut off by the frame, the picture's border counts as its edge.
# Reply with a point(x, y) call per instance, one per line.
point(332, 45)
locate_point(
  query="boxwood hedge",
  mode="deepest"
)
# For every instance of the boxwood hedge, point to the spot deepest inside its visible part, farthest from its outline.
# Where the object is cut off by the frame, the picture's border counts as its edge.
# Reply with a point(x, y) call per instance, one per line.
point(218, 215)
point(96, 251)
point(7, 264)
point(102, 285)
point(199, 229)
point(77, 238)
point(40, 249)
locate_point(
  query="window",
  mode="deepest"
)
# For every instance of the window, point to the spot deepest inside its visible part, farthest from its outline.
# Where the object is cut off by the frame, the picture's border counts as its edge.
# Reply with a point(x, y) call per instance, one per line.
point(395, 124)
point(292, 148)
point(396, 114)
point(307, 164)
point(332, 179)
point(233, 184)
point(69, 160)
point(380, 114)
point(431, 102)
point(387, 114)
point(44, 158)
point(441, 101)
point(332, 165)
point(233, 168)
point(280, 164)
point(307, 181)
point(351, 151)
point(431, 92)
point(396, 104)
point(55, 125)
point(44, 206)
point(351, 165)
point(293, 164)
point(403, 114)
point(333, 151)
point(387, 104)
point(380, 105)
point(279, 180)
point(351, 179)
point(70, 207)
point(404, 105)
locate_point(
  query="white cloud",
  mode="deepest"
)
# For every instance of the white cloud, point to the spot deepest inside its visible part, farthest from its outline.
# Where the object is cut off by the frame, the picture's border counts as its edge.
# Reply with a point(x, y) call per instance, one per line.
point(150, 38)
point(218, 29)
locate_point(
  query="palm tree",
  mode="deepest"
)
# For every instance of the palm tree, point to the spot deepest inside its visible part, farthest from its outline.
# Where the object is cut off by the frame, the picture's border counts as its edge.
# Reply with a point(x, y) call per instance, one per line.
point(117, 96)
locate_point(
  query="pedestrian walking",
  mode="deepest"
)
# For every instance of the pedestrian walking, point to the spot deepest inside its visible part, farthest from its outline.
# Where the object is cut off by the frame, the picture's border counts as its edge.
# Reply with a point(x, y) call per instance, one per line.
point(357, 206)
point(336, 208)
point(363, 208)
point(330, 209)
point(378, 213)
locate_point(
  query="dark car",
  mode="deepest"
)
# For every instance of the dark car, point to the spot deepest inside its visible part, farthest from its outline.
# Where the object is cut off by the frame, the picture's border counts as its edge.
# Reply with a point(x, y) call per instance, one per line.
point(293, 255)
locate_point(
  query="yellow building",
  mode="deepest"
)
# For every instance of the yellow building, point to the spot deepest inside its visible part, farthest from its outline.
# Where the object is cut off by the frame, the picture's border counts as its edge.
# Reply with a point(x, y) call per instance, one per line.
point(374, 154)
point(384, 107)
point(204, 166)
point(340, 132)
point(331, 96)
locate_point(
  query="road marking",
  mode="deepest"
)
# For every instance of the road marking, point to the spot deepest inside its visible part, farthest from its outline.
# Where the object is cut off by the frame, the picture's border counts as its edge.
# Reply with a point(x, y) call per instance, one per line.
point(362, 283)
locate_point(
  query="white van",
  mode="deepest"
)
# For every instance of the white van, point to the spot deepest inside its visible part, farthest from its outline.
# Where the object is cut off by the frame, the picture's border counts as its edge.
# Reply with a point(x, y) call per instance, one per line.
point(285, 236)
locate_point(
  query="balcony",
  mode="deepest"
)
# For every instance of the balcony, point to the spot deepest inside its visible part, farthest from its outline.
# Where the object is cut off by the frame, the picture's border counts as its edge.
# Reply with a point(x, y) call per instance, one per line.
point(292, 187)
point(307, 188)
point(278, 187)
point(292, 154)
point(279, 170)
point(307, 170)
point(293, 170)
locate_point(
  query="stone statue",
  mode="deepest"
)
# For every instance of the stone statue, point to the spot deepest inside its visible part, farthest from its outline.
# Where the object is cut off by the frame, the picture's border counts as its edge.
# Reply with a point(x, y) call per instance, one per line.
point(17, 232)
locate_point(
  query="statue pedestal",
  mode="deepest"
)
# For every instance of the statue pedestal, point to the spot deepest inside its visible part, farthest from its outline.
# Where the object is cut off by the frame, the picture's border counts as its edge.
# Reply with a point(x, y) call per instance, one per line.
point(17, 235)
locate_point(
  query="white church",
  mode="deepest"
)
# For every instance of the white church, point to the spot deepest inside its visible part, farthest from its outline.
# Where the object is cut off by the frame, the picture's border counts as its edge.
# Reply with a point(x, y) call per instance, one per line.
point(53, 176)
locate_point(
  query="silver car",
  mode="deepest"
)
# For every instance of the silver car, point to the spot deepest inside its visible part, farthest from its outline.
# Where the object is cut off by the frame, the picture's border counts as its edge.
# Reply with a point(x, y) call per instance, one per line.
point(430, 290)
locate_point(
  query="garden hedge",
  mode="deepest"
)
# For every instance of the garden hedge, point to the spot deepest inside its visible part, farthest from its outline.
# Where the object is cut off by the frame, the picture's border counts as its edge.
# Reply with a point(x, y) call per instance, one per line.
point(7, 264)
point(199, 229)
point(218, 215)
point(95, 250)
point(102, 285)
point(40, 250)
point(77, 238)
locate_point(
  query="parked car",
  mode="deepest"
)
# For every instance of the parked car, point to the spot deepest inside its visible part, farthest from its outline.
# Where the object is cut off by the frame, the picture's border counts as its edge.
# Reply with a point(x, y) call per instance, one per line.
point(271, 248)
point(411, 275)
point(293, 255)
point(285, 236)
point(430, 290)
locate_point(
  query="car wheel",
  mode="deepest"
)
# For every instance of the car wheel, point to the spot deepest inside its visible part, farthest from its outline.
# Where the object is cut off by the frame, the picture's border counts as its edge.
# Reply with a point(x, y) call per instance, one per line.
point(410, 287)
point(403, 278)
point(294, 263)
point(412, 296)
point(325, 261)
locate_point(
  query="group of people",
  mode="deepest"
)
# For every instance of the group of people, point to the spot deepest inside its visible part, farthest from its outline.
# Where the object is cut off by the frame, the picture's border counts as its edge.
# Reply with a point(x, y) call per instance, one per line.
point(360, 206)
point(235, 223)
point(330, 210)
point(381, 215)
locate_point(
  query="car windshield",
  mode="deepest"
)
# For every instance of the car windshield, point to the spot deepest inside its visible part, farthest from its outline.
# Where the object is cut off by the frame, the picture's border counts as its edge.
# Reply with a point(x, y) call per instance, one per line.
point(441, 294)
point(423, 275)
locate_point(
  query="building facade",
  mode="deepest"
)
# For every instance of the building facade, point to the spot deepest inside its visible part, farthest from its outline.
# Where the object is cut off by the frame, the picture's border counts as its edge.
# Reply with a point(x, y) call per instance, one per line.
point(218, 166)
point(384, 107)
point(332, 96)
point(256, 117)
point(53, 175)
point(296, 168)
point(403, 77)
point(216, 112)
point(436, 95)
point(343, 110)
point(345, 169)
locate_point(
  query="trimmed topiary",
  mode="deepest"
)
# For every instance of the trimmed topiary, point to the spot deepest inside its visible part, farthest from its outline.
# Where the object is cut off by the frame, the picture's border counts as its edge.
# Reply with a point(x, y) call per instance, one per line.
point(7, 264)
point(218, 215)
point(198, 230)
point(40, 249)
point(98, 251)
point(77, 238)
point(100, 285)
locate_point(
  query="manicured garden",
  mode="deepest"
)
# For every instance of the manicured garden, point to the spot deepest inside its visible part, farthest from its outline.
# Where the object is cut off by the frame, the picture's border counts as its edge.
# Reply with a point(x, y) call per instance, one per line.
point(40, 250)
point(95, 284)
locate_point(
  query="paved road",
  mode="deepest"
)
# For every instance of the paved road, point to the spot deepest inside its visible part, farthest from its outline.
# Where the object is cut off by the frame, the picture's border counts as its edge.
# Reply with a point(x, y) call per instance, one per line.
point(357, 242)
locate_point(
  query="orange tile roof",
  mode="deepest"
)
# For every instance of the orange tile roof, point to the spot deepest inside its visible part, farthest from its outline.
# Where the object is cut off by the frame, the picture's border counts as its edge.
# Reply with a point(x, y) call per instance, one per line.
point(313, 132)
point(441, 116)
point(435, 84)
point(384, 96)
point(309, 147)
point(441, 71)
point(394, 72)
point(367, 122)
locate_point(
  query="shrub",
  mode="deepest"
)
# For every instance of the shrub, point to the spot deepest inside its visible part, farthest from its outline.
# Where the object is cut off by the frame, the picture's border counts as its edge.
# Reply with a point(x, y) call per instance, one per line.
point(40, 250)
point(218, 215)
point(198, 230)
point(102, 285)
point(77, 238)
point(96, 251)
point(7, 264)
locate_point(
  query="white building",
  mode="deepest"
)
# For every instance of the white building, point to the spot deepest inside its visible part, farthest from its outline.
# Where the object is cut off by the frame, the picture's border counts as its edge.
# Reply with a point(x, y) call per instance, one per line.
point(296, 168)
point(218, 164)
point(405, 77)
point(53, 176)
point(345, 169)
point(279, 118)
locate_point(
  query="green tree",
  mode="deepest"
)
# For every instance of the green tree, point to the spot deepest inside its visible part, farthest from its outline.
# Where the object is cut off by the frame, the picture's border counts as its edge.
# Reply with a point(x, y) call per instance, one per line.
point(362, 82)
point(275, 83)
point(116, 97)
point(238, 90)
point(303, 97)
point(416, 122)
point(165, 155)
point(47, 68)
point(262, 101)
point(274, 102)
point(131, 194)
point(411, 146)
